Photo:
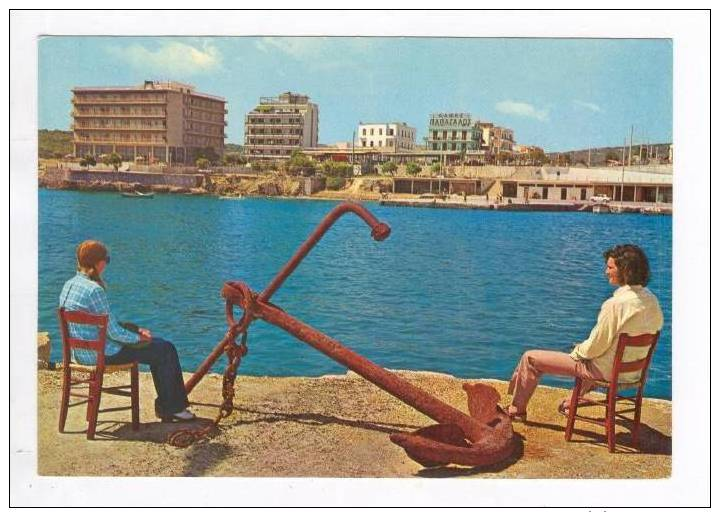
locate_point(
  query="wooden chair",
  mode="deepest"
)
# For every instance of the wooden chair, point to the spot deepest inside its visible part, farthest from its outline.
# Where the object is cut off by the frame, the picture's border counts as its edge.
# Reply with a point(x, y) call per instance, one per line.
point(613, 387)
point(92, 374)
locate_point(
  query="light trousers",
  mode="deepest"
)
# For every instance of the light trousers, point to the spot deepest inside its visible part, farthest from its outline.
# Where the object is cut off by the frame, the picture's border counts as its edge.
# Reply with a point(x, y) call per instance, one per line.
point(535, 363)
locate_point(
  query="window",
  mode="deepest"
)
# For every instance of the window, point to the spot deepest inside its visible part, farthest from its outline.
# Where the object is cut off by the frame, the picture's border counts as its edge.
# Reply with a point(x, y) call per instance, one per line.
point(372, 131)
point(363, 131)
point(379, 131)
point(380, 144)
point(391, 131)
point(371, 142)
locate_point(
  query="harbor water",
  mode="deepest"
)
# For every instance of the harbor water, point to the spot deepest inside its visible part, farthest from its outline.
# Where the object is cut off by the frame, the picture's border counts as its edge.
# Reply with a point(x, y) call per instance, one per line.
point(463, 292)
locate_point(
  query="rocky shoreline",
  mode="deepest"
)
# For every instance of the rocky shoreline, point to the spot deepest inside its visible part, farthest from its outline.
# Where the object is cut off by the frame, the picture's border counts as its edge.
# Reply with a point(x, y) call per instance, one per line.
point(331, 426)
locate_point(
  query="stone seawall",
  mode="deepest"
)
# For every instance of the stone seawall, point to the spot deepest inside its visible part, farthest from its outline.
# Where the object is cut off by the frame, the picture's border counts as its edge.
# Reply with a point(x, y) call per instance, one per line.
point(143, 178)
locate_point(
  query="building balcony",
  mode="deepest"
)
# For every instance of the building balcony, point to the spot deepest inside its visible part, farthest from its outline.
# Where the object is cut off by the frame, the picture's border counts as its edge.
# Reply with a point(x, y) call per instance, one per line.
point(272, 146)
point(282, 115)
point(206, 109)
point(118, 128)
point(78, 101)
point(121, 142)
point(266, 126)
point(205, 121)
point(203, 134)
point(133, 115)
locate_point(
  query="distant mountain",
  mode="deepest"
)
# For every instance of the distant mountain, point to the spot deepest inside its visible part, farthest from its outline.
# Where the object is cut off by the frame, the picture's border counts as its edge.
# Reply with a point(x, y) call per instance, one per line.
point(54, 143)
point(600, 156)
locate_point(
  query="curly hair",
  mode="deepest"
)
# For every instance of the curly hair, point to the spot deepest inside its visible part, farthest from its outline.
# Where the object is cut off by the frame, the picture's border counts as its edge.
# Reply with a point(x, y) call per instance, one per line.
point(631, 262)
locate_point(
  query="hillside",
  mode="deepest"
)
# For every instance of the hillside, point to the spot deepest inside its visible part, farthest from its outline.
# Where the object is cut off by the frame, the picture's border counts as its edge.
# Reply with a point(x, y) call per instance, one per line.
point(54, 143)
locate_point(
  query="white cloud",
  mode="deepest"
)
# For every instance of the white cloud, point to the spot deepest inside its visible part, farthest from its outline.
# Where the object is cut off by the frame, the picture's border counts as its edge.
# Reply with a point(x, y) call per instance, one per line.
point(518, 108)
point(296, 47)
point(587, 105)
point(172, 57)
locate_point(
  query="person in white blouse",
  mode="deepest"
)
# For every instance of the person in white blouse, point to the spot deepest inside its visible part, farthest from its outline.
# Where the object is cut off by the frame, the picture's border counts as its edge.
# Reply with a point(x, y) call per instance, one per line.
point(632, 309)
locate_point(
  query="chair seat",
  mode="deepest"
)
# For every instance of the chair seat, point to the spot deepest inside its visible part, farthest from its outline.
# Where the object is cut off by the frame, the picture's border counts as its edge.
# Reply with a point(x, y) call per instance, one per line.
point(112, 368)
point(620, 385)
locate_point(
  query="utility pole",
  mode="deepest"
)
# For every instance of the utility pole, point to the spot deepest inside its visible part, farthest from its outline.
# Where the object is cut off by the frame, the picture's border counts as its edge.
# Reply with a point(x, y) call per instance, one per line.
point(630, 152)
point(352, 157)
point(622, 182)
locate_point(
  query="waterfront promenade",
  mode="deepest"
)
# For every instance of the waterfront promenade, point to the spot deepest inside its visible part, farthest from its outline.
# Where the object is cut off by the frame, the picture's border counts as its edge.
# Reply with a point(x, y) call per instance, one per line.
point(332, 426)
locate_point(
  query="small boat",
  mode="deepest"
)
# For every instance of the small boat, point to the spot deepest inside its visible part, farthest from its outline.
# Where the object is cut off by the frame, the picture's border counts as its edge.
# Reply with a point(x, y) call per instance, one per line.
point(651, 210)
point(136, 194)
point(601, 208)
point(239, 196)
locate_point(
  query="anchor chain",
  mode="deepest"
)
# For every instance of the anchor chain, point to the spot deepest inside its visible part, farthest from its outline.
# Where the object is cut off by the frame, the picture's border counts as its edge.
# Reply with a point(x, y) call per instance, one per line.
point(185, 437)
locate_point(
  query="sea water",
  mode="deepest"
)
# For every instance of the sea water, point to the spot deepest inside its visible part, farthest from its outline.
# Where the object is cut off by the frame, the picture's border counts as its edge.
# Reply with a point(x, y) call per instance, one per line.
point(463, 292)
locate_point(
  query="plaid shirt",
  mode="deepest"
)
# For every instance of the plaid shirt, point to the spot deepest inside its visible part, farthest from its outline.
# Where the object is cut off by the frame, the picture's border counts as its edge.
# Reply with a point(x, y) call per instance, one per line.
point(83, 294)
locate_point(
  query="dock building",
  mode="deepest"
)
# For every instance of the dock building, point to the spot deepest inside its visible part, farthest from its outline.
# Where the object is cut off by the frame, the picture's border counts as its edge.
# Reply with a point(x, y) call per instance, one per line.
point(279, 125)
point(156, 122)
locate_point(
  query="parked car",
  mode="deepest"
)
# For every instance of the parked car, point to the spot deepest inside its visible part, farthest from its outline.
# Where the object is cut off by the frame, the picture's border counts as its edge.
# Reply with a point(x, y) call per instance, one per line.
point(600, 198)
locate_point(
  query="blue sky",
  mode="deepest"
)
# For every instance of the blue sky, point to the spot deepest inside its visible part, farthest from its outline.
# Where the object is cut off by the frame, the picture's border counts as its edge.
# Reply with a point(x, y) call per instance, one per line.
point(560, 94)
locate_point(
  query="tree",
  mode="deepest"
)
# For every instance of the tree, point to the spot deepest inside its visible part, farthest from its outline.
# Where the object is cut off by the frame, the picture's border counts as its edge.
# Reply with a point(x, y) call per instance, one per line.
point(300, 164)
point(334, 183)
point(202, 163)
point(435, 168)
point(537, 157)
point(336, 169)
point(207, 152)
point(389, 168)
point(413, 169)
point(88, 161)
point(234, 158)
point(112, 159)
point(611, 156)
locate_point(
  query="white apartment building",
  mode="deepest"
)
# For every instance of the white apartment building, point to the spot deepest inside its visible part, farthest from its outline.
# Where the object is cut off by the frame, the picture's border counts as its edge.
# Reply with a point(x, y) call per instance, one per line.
point(390, 137)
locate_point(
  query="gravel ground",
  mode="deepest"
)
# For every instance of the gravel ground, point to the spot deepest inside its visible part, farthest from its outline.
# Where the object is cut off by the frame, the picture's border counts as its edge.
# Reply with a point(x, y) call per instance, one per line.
point(332, 426)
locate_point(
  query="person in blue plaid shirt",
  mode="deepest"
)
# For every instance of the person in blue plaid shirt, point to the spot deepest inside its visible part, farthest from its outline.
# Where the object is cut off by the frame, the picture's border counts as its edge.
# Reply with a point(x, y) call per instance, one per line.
point(86, 292)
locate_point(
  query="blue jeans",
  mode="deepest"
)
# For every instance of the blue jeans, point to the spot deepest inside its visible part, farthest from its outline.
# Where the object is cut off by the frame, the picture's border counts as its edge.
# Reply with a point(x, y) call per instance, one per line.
point(164, 363)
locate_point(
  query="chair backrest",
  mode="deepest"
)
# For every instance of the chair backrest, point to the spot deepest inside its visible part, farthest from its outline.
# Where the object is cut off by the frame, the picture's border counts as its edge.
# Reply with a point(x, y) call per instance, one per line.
point(620, 366)
point(82, 318)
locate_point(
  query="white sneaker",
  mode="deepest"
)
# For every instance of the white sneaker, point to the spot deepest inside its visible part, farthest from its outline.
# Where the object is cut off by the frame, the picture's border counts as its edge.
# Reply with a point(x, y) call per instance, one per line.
point(184, 415)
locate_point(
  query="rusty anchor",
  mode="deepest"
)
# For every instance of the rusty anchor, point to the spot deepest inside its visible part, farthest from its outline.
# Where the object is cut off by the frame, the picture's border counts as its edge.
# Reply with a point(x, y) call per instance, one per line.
point(482, 438)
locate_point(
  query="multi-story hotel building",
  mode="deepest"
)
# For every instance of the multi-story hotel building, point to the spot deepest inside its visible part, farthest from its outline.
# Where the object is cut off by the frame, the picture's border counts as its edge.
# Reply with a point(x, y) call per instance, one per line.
point(452, 132)
point(158, 121)
point(277, 126)
point(394, 137)
point(501, 140)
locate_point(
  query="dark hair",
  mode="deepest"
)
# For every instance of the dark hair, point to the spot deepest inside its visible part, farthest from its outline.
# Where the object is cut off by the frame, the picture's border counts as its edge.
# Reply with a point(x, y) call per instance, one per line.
point(631, 262)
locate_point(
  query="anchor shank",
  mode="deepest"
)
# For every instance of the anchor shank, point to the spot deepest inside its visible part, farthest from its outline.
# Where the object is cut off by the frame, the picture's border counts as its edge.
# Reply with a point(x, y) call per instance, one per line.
point(380, 231)
point(388, 381)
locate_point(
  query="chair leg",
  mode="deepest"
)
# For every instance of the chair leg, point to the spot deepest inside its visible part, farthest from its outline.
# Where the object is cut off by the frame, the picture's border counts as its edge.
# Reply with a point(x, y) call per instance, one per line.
point(572, 410)
point(64, 399)
point(94, 405)
point(135, 397)
point(88, 410)
point(636, 419)
point(610, 420)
